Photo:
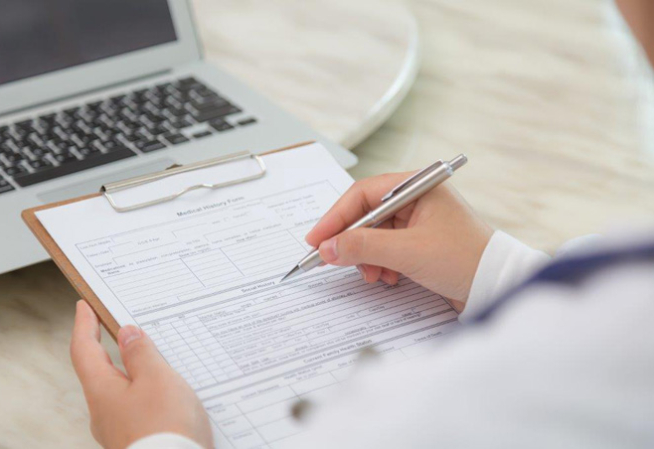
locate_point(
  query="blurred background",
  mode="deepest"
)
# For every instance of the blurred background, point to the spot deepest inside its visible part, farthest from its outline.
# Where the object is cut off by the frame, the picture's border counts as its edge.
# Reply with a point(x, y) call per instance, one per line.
point(550, 99)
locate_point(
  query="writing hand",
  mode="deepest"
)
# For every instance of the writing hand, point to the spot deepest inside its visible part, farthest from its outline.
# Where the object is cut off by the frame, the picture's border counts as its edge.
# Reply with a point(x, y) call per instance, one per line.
point(436, 241)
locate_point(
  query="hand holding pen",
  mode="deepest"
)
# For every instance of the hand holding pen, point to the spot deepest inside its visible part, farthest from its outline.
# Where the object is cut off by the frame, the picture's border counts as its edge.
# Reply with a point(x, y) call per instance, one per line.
point(436, 240)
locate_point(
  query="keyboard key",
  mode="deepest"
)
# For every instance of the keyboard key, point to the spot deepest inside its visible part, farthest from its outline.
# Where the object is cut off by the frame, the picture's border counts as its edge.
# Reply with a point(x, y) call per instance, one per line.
point(108, 108)
point(202, 134)
point(247, 121)
point(71, 111)
point(112, 145)
point(187, 81)
point(131, 137)
point(178, 112)
point(220, 125)
point(42, 128)
point(29, 179)
point(60, 146)
point(62, 121)
point(208, 103)
point(118, 99)
point(48, 118)
point(25, 124)
point(163, 87)
point(216, 113)
point(15, 170)
point(90, 151)
point(34, 140)
point(206, 93)
point(155, 118)
point(39, 164)
point(65, 158)
point(171, 101)
point(14, 158)
point(130, 126)
point(175, 139)
point(5, 186)
point(158, 130)
point(181, 124)
point(125, 114)
point(147, 146)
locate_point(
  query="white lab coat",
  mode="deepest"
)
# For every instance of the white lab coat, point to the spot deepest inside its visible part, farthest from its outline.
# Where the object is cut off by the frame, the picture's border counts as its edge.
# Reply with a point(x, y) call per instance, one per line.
point(557, 366)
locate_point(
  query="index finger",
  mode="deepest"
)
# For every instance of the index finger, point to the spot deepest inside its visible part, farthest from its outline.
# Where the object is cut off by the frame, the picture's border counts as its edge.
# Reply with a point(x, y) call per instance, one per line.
point(91, 362)
point(359, 199)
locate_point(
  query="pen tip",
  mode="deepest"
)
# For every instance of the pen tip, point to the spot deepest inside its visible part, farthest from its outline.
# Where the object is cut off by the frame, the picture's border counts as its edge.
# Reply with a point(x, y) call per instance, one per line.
point(291, 273)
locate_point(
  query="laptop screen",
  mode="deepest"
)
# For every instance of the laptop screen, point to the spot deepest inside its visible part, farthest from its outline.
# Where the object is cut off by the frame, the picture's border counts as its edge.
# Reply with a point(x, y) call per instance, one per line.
point(42, 36)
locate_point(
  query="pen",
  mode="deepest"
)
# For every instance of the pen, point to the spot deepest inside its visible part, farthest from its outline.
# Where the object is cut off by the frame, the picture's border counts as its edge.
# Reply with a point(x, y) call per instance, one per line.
point(394, 201)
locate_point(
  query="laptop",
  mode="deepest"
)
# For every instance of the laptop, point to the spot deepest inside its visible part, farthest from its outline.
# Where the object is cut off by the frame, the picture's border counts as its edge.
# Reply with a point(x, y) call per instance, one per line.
point(95, 91)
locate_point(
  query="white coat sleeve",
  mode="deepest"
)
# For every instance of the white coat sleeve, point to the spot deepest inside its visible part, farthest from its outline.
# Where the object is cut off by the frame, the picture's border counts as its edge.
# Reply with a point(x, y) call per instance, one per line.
point(506, 262)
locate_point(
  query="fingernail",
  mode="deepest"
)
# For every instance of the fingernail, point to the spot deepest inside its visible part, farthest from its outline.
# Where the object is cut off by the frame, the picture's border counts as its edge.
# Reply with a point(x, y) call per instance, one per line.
point(328, 250)
point(128, 334)
point(362, 271)
point(385, 277)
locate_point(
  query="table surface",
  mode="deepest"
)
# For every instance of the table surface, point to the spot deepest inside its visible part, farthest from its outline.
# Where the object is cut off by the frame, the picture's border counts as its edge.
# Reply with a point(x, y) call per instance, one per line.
point(341, 66)
point(547, 98)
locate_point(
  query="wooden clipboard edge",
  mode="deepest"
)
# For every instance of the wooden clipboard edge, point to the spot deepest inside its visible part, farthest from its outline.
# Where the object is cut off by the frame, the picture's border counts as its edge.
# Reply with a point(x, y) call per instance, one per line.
point(67, 267)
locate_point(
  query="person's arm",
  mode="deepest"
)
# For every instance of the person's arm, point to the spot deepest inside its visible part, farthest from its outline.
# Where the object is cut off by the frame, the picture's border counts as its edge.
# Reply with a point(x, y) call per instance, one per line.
point(559, 366)
point(505, 263)
point(439, 242)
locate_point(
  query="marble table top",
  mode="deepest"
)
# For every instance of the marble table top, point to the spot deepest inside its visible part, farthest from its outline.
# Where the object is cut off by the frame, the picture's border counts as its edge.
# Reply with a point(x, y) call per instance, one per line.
point(547, 97)
point(341, 66)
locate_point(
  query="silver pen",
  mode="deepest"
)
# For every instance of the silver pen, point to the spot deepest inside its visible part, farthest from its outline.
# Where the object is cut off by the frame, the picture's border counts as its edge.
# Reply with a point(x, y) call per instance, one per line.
point(394, 201)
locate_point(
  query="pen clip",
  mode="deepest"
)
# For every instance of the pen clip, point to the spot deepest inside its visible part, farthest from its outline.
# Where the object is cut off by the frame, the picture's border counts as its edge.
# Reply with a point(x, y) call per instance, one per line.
point(412, 179)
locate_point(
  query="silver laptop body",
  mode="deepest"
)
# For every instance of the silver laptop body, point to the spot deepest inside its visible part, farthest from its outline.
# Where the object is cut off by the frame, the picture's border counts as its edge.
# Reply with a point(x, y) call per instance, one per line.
point(94, 91)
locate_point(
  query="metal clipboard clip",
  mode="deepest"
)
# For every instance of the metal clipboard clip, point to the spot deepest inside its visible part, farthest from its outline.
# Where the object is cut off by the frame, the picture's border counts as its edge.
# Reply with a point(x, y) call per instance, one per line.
point(108, 189)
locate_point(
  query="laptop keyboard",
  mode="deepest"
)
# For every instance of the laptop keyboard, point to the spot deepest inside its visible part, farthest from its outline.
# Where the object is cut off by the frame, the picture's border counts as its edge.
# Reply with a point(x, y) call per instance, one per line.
point(100, 132)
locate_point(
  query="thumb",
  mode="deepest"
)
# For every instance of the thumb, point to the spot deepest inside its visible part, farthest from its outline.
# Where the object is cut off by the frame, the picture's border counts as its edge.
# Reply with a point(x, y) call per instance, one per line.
point(140, 356)
point(382, 247)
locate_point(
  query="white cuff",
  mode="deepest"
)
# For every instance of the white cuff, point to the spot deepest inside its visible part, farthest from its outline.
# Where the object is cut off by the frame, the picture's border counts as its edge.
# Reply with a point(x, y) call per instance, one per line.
point(506, 262)
point(165, 441)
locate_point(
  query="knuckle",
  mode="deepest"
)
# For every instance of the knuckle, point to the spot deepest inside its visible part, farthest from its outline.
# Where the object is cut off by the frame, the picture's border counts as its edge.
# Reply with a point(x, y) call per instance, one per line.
point(355, 189)
point(359, 191)
point(354, 243)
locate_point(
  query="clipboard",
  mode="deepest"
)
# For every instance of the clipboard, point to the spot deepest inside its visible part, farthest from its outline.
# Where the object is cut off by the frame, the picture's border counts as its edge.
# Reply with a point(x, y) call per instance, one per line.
point(66, 266)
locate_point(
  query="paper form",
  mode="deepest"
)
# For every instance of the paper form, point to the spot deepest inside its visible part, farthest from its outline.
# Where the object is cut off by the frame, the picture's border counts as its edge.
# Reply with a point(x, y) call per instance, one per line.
point(201, 276)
